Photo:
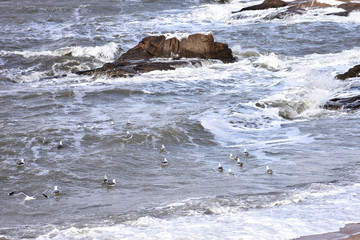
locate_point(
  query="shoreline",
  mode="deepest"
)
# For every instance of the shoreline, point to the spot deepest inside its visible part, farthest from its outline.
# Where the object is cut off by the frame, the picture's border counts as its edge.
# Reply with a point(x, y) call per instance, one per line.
point(351, 231)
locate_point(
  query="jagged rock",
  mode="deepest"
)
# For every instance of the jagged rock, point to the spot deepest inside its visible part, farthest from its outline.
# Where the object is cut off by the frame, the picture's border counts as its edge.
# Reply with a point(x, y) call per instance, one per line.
point(347, 103)
point(193, 46)
point(138, 59)
point(352, 72)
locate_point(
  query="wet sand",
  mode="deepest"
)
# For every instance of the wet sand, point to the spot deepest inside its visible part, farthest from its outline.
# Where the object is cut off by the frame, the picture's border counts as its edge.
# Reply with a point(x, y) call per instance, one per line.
point(349, 232)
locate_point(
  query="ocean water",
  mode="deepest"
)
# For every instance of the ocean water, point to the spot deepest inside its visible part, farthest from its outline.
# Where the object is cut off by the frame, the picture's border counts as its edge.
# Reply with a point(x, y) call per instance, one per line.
point(268, 101)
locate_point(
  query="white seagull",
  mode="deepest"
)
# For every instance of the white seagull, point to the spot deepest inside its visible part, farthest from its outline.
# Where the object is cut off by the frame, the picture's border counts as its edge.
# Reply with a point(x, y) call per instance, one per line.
point(105, 180)
point(27, 197)
point(230, 172)
point(220, 168)
point(268, 170)
point(21, 163)
point(232, 157)
point(240, 164)
point(162, 149)
point(60, 145)
point(45, 141)
point(246, 153)
point(128, 136)
point(164, 162)
point(56, 191)
point(111, 183)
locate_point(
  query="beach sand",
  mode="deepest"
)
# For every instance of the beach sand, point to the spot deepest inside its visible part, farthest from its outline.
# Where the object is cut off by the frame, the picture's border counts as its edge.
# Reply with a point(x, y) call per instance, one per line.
point(349, 232)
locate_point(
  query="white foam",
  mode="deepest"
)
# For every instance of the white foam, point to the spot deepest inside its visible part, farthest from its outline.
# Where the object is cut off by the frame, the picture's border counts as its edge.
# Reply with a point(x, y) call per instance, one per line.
point(271, 62)
point(102, 53)
point(301, 213)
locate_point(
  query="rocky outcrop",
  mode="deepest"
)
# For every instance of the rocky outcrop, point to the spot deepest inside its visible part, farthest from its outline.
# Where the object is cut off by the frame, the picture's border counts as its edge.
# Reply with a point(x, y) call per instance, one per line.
point(352, 72)
point(265, 5)
point(193, 46)
point(348, 7)
point(346, 103)
point(138, 59)
point(299, 6)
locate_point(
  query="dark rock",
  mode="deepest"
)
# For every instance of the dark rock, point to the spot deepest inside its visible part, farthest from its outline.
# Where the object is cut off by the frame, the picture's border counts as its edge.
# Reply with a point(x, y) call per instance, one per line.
point(347, 103)
point(299, 6)
point(352, 72)
point(284, 14)
point(265, 5)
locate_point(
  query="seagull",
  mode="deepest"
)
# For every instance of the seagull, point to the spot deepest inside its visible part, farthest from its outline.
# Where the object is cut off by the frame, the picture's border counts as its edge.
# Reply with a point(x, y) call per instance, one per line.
point(56, 191)
point(232, 157)
point(128, 136)
point(45, 141)
point(220, 168)
point(111, 183)
point(165, 162)
point(60, 145)
point(162, 149)
point(268, 170)
point(105, 180)
point(246, 153)
point(128, 123)
point(240, 164)
point(21, 163)
point(230, 172)
point(27, 197)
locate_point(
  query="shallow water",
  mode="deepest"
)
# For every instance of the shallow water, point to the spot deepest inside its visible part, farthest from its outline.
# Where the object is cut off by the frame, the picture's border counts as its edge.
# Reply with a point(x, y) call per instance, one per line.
point(268, 101)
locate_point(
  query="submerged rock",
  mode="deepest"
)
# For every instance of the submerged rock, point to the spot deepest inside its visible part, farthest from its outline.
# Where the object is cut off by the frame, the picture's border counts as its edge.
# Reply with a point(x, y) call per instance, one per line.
point(138, 59)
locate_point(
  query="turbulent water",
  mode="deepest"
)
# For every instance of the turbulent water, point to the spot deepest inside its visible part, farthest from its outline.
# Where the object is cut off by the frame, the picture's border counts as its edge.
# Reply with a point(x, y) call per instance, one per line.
point(268, 101)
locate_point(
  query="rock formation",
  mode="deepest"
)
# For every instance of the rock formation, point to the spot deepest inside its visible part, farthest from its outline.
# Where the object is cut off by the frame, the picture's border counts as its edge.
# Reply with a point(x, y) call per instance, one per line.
point(352, 72)
point(138, 59)
point(299, 6)
point(346, 102)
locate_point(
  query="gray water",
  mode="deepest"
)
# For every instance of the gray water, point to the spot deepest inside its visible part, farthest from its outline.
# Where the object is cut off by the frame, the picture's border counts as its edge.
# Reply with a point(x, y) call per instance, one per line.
point(268, 102)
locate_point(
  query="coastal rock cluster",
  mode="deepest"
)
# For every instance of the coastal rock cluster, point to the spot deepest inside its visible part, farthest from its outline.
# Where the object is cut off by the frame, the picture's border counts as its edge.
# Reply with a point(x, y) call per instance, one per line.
point(166, 53)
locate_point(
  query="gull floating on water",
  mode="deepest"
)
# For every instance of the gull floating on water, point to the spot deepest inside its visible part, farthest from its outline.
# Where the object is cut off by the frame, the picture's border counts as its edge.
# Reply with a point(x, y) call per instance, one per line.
point(56, 191)
point(232, 157)
point(268, 170)
point(164, 162)
point(220, 168)
point(128, 136)
point(246, 153)
point(230, 172)
point(128, 123)
point(21, 163)
point(27, 197)
point(60, 145)
point(162, 149)
point(45, 141)
point(240, 164)
point(111, 183)
point(105, 180)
